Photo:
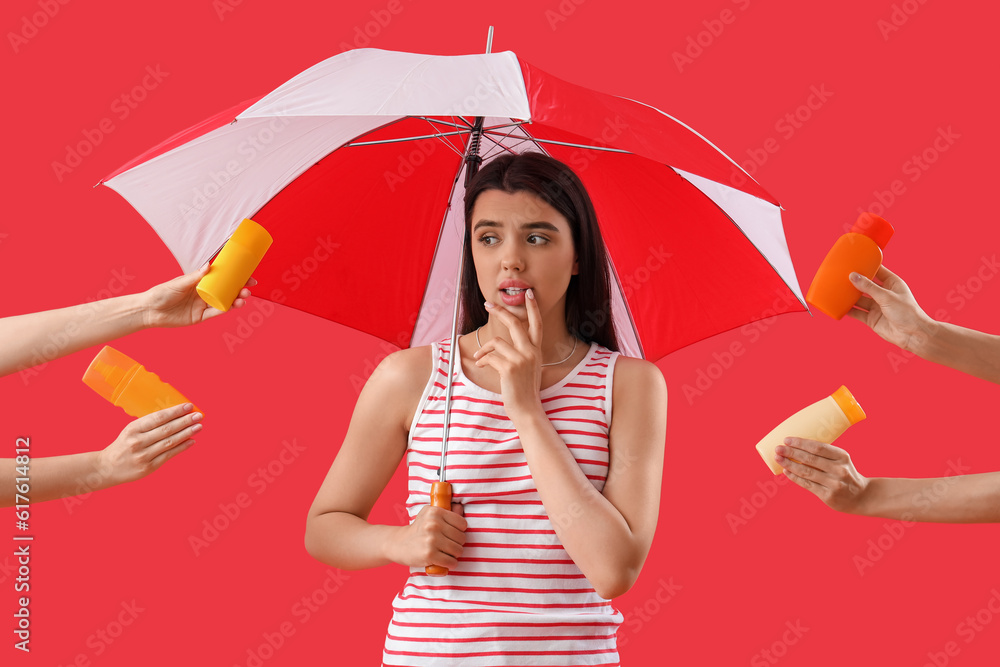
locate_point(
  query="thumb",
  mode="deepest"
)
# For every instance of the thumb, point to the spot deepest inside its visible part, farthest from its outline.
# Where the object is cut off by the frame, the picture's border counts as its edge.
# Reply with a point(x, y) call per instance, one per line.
point(192, 277)
point(867, 286)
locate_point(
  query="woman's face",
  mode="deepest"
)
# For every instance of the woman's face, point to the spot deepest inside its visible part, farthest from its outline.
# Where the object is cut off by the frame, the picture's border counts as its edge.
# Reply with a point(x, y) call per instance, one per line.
point(520, 241)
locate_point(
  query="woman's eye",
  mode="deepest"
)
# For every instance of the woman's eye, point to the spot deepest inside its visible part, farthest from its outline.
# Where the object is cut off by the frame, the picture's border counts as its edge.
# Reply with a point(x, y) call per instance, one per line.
point(487, 240)
point(536, 239)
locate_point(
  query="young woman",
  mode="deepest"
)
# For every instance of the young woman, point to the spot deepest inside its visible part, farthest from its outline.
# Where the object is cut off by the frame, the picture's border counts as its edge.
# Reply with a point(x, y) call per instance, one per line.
point(554, 501)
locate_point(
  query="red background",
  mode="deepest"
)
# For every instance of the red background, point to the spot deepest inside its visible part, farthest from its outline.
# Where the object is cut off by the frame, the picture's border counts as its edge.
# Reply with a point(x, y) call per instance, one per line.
point(792, 562)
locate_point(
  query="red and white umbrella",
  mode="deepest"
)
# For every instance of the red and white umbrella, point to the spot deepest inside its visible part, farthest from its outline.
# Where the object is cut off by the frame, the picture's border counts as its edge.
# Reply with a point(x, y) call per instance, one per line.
point(356, 167)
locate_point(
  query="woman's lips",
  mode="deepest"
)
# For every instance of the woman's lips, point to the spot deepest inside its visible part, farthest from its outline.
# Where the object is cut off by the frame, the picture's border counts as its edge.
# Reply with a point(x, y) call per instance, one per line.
point(515, 299)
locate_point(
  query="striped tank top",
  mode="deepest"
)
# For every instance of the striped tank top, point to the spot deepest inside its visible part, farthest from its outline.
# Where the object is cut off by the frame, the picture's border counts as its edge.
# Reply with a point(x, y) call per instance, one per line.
point(516, 597)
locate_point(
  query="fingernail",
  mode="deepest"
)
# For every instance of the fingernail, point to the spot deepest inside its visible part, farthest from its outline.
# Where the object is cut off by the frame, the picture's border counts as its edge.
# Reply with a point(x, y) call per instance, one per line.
point(196, 416)
point(188, 407)
point(488, 304)
point(196, 428)
point(779, 450)
point(855, 276)
point(788, 441)
point(531, 295)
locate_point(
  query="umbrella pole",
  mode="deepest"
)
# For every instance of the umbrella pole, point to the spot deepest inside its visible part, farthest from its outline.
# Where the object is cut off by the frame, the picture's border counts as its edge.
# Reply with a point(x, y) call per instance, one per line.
point(441, 489)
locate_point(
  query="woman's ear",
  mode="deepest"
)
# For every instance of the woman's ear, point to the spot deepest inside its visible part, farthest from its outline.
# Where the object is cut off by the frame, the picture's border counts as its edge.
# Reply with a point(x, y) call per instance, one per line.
point(576, 265)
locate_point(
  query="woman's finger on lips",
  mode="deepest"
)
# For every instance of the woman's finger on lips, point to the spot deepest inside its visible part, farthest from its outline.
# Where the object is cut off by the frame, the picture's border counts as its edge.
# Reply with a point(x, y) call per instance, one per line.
point(534, 318)
point(509, 320)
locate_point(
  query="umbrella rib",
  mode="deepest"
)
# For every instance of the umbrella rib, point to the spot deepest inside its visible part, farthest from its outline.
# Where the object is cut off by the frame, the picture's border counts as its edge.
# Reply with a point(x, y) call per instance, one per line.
point(571, 145)
point(444, 141)
point(402, 139)
point(500, 127)
point(500, 142)
point(430, 119)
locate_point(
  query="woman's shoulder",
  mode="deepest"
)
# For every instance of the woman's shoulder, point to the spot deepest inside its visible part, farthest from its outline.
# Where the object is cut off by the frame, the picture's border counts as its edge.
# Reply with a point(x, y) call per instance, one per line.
point(393, 391)
point(404, 368)
point(634, 376)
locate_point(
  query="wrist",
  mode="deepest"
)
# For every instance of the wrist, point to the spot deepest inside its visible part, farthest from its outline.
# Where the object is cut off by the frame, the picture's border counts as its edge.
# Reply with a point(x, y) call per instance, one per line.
point(867, 502)
point(530, 423)
point(100, 471)
point(147, 316)
point(388, 543)
point(924, 339)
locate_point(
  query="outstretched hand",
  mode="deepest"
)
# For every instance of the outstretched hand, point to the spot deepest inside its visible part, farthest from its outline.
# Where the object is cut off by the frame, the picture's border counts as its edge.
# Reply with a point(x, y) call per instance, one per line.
point(519, 365)
point(147, 443)
point(891, 310)
point(825, 470)
point(176, 303)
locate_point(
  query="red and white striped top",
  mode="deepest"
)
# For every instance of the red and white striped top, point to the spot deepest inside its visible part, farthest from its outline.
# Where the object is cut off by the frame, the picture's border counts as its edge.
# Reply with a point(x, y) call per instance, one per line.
point(516, 597)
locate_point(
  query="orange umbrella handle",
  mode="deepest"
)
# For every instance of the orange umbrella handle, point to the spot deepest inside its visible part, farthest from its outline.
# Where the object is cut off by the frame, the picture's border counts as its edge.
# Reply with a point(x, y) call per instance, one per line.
point(440, 497)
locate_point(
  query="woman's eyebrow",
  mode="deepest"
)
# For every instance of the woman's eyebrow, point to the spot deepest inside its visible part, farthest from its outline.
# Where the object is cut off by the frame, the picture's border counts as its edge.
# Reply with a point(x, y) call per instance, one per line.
point(541, 224)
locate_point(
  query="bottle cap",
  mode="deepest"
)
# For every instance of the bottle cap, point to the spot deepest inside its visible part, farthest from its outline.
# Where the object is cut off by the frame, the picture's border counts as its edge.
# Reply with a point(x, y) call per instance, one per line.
point(874, 227)
point(109, 372)
point(848, 404)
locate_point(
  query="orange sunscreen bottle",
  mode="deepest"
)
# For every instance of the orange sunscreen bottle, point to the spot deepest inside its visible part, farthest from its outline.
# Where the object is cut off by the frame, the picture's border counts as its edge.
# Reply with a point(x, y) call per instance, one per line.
point(824, 420)
point(234, 265)
point(124, 382)
point(858, 250)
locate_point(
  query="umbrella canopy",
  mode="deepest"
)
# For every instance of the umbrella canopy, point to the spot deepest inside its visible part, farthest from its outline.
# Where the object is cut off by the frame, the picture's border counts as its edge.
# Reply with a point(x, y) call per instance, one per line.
point(356, 168)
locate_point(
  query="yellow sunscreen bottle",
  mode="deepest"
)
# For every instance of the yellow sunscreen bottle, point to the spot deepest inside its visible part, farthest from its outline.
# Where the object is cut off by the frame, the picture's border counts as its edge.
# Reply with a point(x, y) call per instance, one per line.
point(127, 384)
point(234, 265)
point(824, 420)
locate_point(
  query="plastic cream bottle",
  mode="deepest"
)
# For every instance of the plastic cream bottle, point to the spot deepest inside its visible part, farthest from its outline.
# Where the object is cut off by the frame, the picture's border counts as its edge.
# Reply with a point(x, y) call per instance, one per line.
point(824, 420)
point(858, 250)
point(234, 265)
point(127, 384)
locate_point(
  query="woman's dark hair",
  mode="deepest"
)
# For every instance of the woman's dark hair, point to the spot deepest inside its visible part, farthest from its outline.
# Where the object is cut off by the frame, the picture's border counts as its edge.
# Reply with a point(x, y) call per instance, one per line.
point(588, 296)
